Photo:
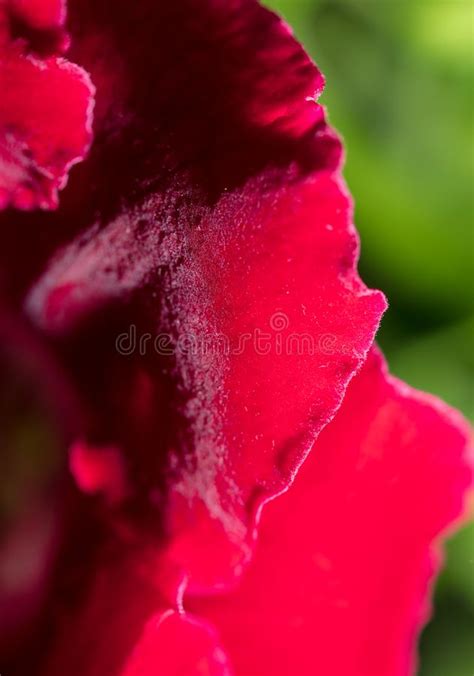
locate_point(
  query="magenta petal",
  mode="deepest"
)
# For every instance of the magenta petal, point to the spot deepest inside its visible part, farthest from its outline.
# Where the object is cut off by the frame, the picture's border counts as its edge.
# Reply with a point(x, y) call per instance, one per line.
point(211, 213)
point(45, 115)
point(98, 471)
point(37, 15)
point(118, 622)
point(267, 400)
point(345, 561)
point(223, 222)
point(174, 644)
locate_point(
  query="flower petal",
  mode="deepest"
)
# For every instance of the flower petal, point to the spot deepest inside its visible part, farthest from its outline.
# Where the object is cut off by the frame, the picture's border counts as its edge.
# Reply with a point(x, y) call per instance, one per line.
point(211, 210)
point(174, 644)
point(346, 558)
point(227, 225)
point(118, 622)
point(46, 107)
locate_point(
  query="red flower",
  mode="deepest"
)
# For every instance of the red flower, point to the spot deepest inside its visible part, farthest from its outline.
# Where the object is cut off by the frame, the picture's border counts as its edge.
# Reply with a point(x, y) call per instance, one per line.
point(197, 289)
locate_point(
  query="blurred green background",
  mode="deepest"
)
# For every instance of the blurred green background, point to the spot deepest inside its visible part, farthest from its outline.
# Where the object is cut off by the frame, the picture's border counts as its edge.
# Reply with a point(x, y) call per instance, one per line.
point(400, 89)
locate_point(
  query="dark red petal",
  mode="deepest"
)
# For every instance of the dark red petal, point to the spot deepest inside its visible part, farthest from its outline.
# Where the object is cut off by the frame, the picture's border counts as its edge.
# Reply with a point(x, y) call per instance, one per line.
point(45, 116)
point(227, 218)
point(93, 624)
point(211, 206)
point(234, 445)
point(118, 622)
point(345, 561)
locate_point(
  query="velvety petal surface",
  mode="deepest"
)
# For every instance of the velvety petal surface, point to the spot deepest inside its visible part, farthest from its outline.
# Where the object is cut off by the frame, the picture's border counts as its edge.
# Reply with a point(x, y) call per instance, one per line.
point(198, 286)
point(341, 579)
point(211, 216)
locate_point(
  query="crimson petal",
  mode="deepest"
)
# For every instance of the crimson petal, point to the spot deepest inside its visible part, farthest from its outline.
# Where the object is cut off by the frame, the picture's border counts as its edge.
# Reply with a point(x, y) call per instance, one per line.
point(211, 211)
point(342, 572)
point(227, 219)
point(45, 124)
point(174, 644)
